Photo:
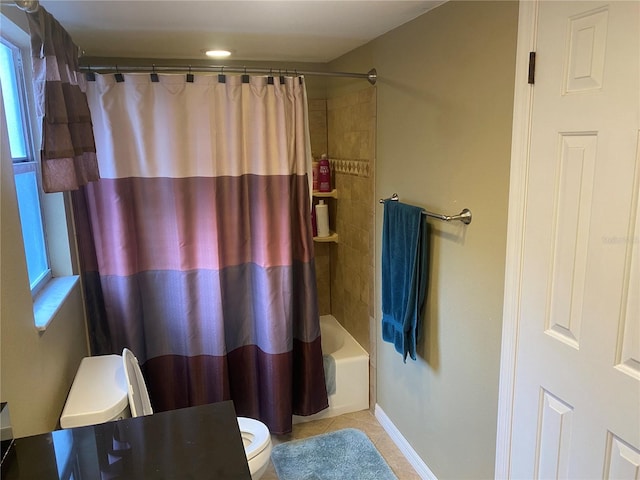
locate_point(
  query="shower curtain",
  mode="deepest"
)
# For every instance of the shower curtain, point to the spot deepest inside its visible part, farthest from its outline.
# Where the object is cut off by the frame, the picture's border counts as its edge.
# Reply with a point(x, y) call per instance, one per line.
point(196, 245)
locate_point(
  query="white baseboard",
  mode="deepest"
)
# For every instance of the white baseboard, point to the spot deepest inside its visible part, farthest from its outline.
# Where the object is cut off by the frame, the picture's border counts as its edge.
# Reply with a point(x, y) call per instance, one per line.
point(407, 450)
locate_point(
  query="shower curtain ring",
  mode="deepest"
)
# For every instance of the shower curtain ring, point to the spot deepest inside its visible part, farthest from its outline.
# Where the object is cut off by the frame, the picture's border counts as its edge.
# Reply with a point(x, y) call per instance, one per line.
point(91, 76)
point(118, 76)
point(154, 75)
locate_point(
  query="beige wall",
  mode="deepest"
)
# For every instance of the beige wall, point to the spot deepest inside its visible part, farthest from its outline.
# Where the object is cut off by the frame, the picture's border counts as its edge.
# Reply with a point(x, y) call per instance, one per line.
point(444, 108)
point(36, 368)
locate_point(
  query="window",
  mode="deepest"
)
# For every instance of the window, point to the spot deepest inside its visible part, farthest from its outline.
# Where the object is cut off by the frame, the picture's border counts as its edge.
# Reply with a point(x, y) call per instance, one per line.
point(25, 168)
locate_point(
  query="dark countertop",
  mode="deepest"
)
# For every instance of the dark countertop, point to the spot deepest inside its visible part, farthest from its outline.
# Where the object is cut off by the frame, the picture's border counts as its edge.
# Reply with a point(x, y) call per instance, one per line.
point(191, 443)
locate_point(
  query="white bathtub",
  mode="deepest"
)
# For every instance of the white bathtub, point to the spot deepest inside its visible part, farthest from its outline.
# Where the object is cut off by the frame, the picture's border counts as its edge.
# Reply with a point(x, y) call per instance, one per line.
point(352, 371)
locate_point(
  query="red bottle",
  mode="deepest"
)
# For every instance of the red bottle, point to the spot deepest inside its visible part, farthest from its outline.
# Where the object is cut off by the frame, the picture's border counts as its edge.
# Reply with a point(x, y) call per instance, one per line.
point(324, 174)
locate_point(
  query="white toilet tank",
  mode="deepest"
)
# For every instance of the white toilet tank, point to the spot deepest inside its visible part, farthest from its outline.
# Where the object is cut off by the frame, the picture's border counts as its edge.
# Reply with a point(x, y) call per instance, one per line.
point(98, 393)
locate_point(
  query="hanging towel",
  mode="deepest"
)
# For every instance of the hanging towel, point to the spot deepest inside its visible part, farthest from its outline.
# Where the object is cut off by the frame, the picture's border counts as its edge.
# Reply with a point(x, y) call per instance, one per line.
point(404, 275)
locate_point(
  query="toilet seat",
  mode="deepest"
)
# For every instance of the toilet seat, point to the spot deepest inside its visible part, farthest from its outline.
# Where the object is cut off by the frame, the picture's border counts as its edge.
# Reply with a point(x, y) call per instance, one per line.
point(255, 436)
point(139, 402)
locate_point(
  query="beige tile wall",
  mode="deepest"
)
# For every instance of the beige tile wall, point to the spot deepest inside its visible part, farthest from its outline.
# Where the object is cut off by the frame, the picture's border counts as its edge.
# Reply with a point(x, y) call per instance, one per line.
point(323, 276)
point(351, 121)
point(318, 126)
point(344, 128)
point(318, 134)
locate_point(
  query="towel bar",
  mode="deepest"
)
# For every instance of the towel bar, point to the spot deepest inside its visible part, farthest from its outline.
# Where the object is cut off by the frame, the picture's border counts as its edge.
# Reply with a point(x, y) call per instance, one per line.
point(464, 216)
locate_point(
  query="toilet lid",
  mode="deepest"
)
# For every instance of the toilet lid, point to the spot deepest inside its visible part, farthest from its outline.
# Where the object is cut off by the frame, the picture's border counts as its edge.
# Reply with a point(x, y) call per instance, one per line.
point(255, 436)
point(98, 393)
point(139, 402)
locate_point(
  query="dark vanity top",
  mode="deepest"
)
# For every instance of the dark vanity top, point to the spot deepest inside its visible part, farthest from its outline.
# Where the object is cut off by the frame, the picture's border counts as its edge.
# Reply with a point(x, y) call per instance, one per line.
point(191, 443)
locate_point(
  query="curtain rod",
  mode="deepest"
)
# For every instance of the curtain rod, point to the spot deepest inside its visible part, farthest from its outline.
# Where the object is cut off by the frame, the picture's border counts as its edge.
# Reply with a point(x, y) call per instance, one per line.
point(370, 76)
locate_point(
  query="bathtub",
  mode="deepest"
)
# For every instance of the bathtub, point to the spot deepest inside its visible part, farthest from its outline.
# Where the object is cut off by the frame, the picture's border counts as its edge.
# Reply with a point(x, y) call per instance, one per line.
point(352, 371)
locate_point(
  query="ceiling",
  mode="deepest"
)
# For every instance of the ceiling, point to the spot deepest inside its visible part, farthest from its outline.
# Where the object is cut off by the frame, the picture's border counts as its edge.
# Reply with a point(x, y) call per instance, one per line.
point(264, 30)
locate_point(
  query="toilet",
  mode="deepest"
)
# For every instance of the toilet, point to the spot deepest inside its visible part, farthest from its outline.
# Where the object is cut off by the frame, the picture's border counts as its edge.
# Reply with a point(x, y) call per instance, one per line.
point(257, 445)
point(111, 387)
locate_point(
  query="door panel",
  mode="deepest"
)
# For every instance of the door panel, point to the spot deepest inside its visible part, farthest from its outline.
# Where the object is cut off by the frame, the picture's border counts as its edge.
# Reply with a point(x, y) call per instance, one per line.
point(576, 410)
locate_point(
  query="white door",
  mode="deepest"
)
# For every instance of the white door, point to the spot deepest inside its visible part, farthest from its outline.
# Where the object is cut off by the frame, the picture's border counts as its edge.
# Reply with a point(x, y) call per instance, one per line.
point(576, 388)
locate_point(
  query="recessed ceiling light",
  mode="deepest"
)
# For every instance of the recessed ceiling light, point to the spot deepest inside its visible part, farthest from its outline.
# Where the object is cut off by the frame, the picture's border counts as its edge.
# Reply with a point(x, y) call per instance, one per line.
point(218, 53)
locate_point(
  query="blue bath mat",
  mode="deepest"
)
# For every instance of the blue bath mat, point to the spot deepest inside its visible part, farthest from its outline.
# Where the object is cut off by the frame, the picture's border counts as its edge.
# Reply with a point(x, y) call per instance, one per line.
point(339, 455)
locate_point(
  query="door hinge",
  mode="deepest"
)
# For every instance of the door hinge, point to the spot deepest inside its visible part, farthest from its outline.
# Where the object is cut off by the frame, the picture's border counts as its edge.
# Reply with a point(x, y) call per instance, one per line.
point(532, 67)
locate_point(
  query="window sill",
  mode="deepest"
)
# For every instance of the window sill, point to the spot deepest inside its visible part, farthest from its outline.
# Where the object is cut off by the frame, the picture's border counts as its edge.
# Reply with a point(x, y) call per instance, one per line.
point(48, 301)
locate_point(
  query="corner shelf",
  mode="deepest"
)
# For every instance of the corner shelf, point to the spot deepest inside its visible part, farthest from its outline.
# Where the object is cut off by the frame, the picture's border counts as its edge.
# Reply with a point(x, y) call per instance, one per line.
point(333, 194)
point(333, 236)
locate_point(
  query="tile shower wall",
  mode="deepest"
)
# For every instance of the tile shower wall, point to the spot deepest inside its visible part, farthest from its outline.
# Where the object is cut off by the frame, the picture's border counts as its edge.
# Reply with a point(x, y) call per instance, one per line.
point(318, 134)
point(318, 126)
point(344, 127)
point(351, 126)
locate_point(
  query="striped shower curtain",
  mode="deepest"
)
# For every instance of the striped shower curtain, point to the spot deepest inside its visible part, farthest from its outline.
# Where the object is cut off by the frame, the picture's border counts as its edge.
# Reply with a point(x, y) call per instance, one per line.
point(196, 245)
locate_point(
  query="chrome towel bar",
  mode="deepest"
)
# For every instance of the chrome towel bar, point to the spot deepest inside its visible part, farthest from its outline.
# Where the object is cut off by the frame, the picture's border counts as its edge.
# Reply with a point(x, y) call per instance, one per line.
point(464, 216)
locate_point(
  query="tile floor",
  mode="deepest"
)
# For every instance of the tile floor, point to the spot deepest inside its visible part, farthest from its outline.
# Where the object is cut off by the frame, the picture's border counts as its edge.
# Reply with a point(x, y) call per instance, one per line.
point(364, 421)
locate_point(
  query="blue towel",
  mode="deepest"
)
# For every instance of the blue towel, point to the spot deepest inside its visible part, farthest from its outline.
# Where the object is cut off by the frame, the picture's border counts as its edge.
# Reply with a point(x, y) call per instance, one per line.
point(404, 275)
